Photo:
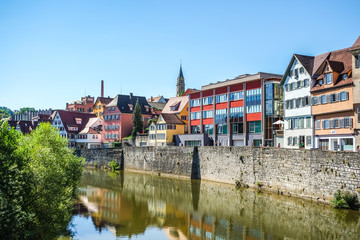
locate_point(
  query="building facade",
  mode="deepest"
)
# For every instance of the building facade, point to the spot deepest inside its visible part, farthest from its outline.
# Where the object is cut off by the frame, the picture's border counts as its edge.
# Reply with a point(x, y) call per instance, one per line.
point(236, 112)
point(84, 105)
point(332, 102)
point(118, 117)
point(298, 120)
point(172, 121)
point(99, 106)
point(70, 124)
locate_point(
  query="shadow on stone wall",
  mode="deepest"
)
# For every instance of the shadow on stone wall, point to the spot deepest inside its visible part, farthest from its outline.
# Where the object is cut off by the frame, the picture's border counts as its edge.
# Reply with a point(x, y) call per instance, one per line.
point(195, 166)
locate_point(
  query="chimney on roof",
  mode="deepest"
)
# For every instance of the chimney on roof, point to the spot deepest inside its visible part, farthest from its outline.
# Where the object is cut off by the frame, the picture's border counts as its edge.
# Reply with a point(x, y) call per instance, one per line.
point(131, 95)
point(102, 88)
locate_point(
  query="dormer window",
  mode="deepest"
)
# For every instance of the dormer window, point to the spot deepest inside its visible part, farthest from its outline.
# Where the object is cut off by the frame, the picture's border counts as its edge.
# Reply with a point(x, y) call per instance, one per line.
point(78, 120)
point(131, 107)
point(147, 108)
point(344, 76)
point(328, 77)
point(320, 82)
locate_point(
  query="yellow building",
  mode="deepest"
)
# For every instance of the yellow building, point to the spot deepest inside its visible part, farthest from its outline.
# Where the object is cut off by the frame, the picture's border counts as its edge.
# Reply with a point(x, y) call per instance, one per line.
point(99, 105)
point(172, 121)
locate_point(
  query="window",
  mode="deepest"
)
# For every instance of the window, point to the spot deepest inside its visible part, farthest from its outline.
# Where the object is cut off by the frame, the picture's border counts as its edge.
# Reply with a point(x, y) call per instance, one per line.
point(296, 72)
point(152, 127)
point(326, 124)
point(306, 82)
point(318, 124)
point(344, 96)
point(328, 77)
point(315, 100)
point(323, 99)
point(289, 141)
point(78, 120)
point(236, 96)
point(308, 122)
point(301, 70)
point(209, 129)
point(195, 115)
point(220, 115)
point(236, 112)
point(208, 114)
point(295, 141)
point(221, 98)
point(184, 118)
point(336, 123)
point(324, 144)
point(195, 129)
point(208, 100)
point(344, 76)
point(308, 140)
point(171, 126)
point(293, 86)
point(347, 122)
point(222, 129)
point(254, 126)
point(299, 84)
point(301, 123)
point(161, 136)
point(237, 128)
point(357, 62)
point(253, 109)
point(287, 87)
point(195, 103)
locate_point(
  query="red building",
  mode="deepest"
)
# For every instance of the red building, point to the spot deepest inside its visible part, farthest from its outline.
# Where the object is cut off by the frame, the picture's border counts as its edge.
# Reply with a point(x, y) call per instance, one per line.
point(118, 117)
point(84, 105)
point(235, 112)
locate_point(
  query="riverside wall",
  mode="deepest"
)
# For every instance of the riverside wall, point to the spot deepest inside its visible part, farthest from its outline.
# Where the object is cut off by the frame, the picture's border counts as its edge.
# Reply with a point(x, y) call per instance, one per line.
point(313, 174)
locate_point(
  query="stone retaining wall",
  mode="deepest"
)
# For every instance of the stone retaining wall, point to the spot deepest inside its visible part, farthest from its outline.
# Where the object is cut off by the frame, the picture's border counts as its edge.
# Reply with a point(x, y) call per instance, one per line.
point(311, 174)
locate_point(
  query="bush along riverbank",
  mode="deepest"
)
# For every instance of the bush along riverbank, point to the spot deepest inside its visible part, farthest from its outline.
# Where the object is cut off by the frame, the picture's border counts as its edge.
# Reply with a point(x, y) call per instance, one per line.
point(39, 176)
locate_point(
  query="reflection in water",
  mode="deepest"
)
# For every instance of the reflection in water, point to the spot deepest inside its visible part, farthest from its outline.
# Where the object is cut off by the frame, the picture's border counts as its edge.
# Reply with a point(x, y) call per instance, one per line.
point(130, 204)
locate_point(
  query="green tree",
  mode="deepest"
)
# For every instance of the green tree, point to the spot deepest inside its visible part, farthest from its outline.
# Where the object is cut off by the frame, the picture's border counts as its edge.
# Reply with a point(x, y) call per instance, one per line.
point(43, 174)
point(137, 121)
point(26, 109)
point(5, 112)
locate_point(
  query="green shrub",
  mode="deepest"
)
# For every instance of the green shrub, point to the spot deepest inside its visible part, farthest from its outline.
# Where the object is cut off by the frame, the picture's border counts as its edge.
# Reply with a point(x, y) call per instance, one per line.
point(345, 199)
point(114, 165)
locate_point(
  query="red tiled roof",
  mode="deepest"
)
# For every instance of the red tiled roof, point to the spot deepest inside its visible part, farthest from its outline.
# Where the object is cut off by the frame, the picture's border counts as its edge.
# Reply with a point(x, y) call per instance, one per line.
point(68, 119)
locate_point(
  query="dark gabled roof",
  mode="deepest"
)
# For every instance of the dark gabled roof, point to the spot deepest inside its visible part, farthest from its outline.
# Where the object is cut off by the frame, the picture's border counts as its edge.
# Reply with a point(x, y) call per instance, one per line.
point(172, 119)
point(68, 119)
point(25, 126)
point(123, 102)
point(306, 61)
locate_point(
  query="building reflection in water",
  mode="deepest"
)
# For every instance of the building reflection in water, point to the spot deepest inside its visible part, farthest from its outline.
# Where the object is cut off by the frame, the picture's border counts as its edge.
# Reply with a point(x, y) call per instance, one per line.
point(128, 205)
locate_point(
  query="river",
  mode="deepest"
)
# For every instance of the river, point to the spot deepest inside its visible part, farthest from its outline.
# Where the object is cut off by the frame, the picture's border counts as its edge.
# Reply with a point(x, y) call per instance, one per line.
point(131, 205)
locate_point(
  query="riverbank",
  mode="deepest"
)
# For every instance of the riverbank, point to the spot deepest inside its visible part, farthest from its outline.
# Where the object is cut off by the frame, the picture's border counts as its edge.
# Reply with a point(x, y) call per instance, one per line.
point(310, 174)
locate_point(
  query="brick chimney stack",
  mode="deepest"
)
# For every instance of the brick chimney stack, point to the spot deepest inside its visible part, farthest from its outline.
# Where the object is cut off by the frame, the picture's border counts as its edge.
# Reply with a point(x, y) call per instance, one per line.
point(102, 88)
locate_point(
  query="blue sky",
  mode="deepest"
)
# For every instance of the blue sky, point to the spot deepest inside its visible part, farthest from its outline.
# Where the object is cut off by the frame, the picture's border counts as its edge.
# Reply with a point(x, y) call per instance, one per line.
point(52, 52)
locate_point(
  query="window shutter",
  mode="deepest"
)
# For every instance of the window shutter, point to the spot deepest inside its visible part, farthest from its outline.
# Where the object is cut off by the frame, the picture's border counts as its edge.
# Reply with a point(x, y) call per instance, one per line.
point(347, 95)
point(341, 123)
point(323, 124)
point(350, 122)
point(331, 125)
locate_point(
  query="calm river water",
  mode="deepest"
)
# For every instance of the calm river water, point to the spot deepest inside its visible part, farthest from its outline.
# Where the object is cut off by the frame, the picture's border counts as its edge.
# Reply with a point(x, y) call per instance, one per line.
point(139, 206)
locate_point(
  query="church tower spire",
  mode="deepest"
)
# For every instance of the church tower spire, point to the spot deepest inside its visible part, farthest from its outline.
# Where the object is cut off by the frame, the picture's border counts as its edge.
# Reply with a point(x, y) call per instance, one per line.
point(180, 85)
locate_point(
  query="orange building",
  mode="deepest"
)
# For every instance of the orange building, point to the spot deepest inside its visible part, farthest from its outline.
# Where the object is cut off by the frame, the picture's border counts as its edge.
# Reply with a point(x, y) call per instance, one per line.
point(332, 101)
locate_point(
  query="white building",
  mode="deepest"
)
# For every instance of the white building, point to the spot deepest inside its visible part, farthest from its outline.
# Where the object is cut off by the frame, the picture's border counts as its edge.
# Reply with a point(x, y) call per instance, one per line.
point(296, 82)
point(89, 137)
point(81, 129)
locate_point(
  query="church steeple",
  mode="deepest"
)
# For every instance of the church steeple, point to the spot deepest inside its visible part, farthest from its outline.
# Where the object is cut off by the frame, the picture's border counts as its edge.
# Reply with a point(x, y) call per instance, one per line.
point(180, 85)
